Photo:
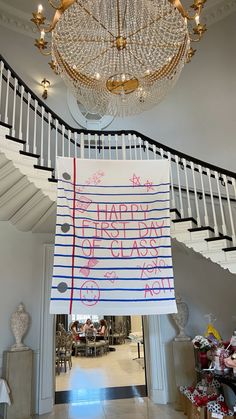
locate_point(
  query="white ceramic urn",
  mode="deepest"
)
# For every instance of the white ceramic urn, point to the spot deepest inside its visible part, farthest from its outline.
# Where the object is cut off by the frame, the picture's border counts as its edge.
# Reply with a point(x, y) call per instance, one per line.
point(181, 319)
point(20, 321)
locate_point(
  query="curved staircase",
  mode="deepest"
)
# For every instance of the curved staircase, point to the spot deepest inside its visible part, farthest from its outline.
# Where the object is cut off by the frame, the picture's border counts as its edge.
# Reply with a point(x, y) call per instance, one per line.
point(203, 196)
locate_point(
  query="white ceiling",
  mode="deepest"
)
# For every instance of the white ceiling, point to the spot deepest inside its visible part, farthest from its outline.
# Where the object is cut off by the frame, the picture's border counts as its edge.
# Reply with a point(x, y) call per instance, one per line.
point(27, 6)
point(214, 10)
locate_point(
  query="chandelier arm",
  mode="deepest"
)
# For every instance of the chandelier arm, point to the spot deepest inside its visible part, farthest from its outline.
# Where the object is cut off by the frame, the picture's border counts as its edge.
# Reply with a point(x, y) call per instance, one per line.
point(52, 25)
point(149, 24)
point(184, 12)
point(46, 53)
point(95, 58)
point(46, 29)
point(96, 20)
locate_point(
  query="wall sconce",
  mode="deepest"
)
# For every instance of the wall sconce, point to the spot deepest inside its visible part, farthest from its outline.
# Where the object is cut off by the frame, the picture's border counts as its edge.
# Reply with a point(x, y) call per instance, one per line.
point(45, 84)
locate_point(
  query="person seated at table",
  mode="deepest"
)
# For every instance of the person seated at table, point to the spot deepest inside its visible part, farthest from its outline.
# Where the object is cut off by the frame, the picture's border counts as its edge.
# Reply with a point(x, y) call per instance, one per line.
point(102, 330)
point(88, 326)
point(74, 330)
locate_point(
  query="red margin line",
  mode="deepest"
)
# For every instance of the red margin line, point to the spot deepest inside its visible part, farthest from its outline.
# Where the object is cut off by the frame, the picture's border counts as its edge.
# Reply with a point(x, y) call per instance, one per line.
point(73, 244)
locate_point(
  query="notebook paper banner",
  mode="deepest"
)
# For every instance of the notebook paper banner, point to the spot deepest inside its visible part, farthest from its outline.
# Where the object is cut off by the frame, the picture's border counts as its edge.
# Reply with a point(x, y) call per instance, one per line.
point(112, 251)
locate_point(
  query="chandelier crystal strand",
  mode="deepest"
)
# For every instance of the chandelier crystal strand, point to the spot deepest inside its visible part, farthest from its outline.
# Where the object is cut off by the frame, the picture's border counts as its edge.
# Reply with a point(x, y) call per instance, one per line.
point(120, 57)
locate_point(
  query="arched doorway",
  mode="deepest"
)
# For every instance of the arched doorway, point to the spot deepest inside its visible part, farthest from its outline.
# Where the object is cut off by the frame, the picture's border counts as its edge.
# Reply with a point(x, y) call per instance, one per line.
point(156, 362)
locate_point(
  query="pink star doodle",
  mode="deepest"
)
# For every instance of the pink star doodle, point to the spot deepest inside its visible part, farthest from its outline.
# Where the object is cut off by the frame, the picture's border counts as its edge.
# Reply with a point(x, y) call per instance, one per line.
point(135, 180)
point(149, 185)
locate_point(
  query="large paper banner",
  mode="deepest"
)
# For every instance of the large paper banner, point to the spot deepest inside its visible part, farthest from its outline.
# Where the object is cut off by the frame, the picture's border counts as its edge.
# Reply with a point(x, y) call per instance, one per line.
point(112, 246)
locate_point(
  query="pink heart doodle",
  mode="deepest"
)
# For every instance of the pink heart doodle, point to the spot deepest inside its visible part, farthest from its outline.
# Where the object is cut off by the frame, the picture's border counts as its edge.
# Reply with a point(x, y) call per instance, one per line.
point(111, 276)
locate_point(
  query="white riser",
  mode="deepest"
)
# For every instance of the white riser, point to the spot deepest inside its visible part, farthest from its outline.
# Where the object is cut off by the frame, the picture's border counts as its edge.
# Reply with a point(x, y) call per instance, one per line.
point(197, 236)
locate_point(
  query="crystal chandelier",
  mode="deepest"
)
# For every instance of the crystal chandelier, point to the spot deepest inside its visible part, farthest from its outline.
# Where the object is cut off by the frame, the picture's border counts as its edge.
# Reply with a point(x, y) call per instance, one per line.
point(119, 57)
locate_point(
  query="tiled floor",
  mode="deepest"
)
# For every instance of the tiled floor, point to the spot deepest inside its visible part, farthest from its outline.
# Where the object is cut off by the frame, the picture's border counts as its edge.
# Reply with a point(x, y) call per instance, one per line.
point(117, 369)
point(136, 408)
point(114, 369)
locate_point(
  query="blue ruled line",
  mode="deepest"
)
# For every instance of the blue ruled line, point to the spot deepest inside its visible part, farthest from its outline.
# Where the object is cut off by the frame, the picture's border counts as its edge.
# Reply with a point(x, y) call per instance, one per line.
point(114, 202)
point(113, 258)
point(116, 248)
point(118, 289)
point(109, 221)
point(110, 211)
point(112, 238)
point(116, 229)
point(112, 186)
point(133, 300)
point(114, 268)
point(113, 194)
point(155, 278)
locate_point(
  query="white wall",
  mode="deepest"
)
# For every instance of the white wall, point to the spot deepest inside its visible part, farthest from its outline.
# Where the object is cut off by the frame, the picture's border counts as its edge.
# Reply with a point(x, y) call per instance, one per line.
point(21, 262)
point(207, 288)
point(197, 117)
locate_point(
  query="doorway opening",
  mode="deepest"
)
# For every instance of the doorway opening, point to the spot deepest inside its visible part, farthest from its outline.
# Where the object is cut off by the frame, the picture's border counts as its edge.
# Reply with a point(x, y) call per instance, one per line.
point(105, 367)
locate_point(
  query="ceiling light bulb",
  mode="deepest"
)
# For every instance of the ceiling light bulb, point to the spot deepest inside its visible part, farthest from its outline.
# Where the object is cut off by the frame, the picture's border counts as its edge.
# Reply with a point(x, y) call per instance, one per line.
point(197, 19)
point(40, 8)
point(147, 72)
point(42, 35)
point(123, 77)
point(97, 76)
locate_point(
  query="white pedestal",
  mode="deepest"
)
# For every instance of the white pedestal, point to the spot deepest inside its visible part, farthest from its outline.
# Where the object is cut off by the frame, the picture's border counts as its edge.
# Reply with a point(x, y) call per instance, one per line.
point(17, 371)
point(184, 364)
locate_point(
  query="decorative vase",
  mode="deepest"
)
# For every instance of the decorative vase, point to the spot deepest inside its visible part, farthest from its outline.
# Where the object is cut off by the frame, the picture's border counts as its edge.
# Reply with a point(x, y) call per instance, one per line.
point(203, 360)
point(20, 320)
point(181, 319)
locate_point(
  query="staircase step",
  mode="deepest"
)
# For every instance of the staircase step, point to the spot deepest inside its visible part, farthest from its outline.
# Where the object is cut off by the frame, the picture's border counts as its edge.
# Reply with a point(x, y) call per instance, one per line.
point(17, 140)
point(230, 253)
point(199, 234)
point(183, 220)
point(229, 249)
point(27, 153)
point(181, 228)
point(192, 230)
point(37, 166)
point(221, 237)
point(174, 214)
point(218, 243)
point(3, 124)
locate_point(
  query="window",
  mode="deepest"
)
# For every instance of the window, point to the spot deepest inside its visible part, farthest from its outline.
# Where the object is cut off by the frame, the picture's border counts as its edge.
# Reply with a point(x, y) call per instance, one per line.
point(83, 317)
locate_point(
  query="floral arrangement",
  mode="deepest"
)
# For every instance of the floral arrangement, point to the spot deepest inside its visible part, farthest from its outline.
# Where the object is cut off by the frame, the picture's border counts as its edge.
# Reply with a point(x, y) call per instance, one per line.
point(201, 343)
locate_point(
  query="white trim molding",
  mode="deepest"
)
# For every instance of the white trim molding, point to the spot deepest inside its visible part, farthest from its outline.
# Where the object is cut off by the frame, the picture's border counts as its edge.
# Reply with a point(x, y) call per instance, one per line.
point(46, 387)
point(19, 21)
point(216, 12)
point(14, 19)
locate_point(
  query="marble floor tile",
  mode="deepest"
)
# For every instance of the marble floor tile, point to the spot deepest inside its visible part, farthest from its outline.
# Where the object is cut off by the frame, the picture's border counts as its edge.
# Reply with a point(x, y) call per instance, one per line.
point(137, 408)
point(116, 369)
point(86, 411)
point(59, 412)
